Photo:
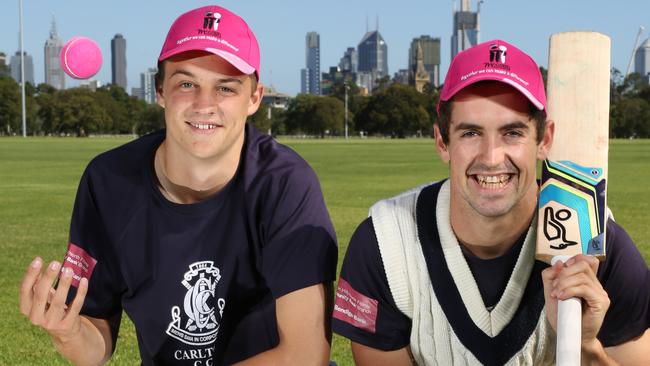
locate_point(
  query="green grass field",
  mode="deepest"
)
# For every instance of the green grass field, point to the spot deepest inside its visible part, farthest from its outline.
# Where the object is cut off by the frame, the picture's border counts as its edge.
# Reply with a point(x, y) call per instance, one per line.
point(39, 177)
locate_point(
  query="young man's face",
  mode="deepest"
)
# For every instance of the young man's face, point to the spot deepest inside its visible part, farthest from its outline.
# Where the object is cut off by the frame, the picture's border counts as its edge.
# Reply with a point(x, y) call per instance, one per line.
point(492, 150)
point(206, 103)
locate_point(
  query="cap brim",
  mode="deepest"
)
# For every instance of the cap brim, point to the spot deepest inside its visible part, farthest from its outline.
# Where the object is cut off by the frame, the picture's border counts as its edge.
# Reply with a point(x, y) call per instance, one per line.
point(237, 62)
point(538, 104)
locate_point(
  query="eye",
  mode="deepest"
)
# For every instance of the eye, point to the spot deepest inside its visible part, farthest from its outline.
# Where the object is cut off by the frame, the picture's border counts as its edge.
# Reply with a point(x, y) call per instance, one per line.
point(225, 89)
point(186, 85)
point(515, 133)
point(469, 133)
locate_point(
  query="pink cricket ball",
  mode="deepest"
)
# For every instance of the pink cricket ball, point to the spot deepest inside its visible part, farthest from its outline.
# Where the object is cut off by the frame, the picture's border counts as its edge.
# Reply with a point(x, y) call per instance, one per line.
point(81, 58)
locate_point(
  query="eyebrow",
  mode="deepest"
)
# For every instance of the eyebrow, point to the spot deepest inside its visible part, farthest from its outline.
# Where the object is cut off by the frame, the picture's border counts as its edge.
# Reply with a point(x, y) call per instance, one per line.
point(221, 80)
point(509, 126)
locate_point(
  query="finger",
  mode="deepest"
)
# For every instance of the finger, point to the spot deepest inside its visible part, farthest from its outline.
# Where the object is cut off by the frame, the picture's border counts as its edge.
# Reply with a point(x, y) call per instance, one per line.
point(42, 291)
point(29, 278)
point(565, 283)
point(581, 261)
point(77, 303)
point(57, 304)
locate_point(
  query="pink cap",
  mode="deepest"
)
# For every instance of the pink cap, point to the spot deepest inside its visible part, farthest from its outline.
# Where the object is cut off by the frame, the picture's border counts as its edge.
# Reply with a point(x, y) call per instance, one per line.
point(495, 60)
point(216, 30)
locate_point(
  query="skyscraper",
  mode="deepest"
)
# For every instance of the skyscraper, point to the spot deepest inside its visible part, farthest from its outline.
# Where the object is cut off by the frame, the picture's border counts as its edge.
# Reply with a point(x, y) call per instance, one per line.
point(373, 60)
point(148, 85)
point(466, 28)
point(349, 62)
point(310, 76)
point(53, 73)
point(4, 69)
point(29, 67)
point(118, 60)
point(642, 60)
point(430, 56)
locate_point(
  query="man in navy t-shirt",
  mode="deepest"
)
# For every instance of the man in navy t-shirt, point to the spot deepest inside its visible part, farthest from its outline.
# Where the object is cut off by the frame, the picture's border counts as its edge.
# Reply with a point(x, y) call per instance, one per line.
point(212, 237)
point(445, 274)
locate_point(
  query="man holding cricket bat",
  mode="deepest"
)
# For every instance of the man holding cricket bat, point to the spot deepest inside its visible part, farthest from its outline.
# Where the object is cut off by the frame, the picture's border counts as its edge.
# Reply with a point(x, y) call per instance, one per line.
point(446, 273)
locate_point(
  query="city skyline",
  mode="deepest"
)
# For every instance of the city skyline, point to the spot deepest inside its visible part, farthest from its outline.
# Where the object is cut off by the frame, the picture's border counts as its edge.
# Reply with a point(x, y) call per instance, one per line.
point(281, 30)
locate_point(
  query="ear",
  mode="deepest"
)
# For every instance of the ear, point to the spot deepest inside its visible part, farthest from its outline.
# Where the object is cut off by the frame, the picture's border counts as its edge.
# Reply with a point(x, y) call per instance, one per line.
point(256, 99)
point(160, 99)
point(545, 144)
point(441, 147)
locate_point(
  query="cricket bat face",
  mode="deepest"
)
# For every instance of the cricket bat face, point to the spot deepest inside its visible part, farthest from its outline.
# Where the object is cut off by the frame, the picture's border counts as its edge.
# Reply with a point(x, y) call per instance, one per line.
point(572, 203)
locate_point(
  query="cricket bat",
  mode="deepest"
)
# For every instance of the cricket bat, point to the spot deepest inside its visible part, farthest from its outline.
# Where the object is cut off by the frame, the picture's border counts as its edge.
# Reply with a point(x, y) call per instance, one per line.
point(572, 210)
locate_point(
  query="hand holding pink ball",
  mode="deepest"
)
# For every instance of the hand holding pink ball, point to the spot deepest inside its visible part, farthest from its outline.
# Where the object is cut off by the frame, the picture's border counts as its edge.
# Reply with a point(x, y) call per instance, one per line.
point(81, 58)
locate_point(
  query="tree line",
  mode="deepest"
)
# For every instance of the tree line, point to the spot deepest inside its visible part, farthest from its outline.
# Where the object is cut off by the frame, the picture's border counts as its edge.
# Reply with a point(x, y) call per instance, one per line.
point(393, 110)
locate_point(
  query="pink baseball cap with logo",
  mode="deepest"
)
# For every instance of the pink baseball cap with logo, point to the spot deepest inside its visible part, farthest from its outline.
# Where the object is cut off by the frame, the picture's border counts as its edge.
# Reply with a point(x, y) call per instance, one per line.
point(218, 31)
point(495, 60)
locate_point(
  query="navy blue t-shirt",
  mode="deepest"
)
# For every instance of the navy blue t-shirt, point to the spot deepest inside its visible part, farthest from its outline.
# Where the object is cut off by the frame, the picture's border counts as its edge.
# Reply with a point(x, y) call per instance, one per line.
point(199, 281)
point(623, 274)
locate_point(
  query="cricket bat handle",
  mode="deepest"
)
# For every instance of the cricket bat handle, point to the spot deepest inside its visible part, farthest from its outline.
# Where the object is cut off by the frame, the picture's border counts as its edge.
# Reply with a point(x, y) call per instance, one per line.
point(569, 324)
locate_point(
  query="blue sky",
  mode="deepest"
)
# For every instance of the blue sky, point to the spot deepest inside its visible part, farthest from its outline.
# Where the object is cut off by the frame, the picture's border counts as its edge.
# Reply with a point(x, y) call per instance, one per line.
point(281, 27)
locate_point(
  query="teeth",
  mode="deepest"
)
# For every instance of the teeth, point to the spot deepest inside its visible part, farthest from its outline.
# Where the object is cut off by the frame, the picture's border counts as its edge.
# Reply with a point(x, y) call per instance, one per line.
point(203, 126)
point(493, 181)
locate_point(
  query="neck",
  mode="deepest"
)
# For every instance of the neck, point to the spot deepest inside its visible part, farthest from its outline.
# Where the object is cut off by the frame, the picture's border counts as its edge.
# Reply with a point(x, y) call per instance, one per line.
point(491, 237)
point(186, 179)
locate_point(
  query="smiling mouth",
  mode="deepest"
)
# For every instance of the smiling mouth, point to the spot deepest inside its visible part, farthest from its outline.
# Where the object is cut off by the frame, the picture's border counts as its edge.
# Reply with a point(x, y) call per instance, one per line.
point(493, 181)
point(203, 126)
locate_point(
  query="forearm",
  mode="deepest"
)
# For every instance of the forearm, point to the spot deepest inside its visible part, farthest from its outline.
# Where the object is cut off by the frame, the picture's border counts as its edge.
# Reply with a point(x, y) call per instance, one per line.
point(283, 356)
point(593, 353)
point(91, 345)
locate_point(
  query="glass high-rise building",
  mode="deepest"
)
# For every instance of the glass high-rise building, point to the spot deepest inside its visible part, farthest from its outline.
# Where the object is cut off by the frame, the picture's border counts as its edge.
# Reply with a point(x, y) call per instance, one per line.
point(466, 28)
point(430, 56)
point(373, 54)
point(14, 64)
point(54, 75)
point(148, 85)
point(310, 75)
point(642, 60)
point(350, 61)
point(118, 60)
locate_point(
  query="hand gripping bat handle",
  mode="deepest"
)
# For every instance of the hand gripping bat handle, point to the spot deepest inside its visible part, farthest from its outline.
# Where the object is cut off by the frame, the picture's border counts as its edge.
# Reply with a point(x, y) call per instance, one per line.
point(569, 325)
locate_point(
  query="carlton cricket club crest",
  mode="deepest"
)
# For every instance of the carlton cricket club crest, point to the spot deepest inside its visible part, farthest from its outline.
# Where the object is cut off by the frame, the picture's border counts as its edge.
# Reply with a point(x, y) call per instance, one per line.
point(197, 323)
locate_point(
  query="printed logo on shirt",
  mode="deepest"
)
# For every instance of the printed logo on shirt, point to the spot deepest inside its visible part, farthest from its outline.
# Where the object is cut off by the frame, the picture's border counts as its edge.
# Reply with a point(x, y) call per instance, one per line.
point(197, 323)
point(355, 308)
point(80, 261)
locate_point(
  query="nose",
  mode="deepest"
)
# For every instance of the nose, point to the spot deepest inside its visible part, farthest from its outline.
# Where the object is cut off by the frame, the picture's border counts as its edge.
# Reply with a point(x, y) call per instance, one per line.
point(205, 101)
point(492, 152)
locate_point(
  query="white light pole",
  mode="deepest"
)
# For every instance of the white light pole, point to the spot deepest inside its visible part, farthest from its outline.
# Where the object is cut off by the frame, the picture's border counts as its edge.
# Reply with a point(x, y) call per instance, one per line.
point(346, 110)
point(22, 70)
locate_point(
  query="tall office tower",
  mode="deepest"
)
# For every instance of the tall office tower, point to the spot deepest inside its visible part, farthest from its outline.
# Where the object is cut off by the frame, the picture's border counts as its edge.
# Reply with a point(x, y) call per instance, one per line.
point(148, 85)
point(53, 72)
point(310, 76)
point(118, 60)
point(430, 57)
point(642, 60)
point(373, 54)
point(466, 27)
point(349, 61)
point(29, 67)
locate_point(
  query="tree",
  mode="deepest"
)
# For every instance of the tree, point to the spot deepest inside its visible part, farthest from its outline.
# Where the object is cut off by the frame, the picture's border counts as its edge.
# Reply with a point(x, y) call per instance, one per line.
point(398, 111)
point(10, 109)
point(315, 115)
point(152, 119)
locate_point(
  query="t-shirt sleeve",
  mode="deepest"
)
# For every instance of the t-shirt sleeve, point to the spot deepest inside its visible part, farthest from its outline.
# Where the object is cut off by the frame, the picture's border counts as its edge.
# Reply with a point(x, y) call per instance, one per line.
point(626, 278)
point(300, 249)
point(364, 309)
point(90, 255)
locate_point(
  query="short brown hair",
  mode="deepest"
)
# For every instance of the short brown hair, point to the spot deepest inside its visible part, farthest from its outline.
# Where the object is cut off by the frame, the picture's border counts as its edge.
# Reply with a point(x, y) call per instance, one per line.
point(160, 76)
point(444, 119)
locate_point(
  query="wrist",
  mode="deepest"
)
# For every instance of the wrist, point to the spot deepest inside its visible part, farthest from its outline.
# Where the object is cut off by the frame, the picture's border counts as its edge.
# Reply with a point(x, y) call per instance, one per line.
point(593, 353)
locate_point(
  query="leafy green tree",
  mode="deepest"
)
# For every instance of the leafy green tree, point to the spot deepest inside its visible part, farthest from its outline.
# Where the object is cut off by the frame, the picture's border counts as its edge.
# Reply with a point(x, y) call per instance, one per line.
point(10, 109)
point(315, 115)
point(152, 119)
point(397, 111)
